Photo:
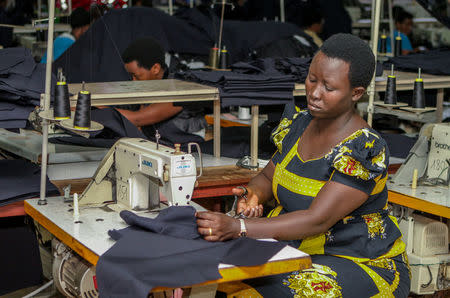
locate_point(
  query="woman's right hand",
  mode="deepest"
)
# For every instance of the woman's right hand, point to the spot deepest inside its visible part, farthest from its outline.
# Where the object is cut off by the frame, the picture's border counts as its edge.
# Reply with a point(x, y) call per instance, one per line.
point(249, 206)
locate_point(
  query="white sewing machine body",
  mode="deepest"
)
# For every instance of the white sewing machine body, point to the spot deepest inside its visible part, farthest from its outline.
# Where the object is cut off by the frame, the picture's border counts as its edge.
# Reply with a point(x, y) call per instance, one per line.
point(135, 171)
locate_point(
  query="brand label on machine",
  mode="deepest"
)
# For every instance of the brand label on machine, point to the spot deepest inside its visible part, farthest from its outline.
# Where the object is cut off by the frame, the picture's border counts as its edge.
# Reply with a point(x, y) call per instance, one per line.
point(438, 166)
point(147, 163)
point(183, 167)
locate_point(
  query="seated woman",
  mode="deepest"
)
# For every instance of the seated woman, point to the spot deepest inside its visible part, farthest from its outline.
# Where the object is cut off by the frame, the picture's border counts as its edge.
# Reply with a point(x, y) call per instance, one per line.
point(329, 179)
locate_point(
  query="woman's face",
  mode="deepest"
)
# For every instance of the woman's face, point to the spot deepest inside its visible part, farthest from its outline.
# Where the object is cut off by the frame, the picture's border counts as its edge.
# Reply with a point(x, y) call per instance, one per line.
point(328, 90)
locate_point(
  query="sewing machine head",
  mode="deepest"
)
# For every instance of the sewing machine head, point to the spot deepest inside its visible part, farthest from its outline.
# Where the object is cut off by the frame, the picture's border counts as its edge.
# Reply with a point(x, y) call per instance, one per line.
point(135, 172)
point(430, 156)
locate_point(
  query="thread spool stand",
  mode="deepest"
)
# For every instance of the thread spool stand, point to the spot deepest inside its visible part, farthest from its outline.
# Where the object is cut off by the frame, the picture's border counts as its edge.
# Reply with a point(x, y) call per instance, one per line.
point(390, 100)
point(61, 102)
point(418, 101)
point(82, 115)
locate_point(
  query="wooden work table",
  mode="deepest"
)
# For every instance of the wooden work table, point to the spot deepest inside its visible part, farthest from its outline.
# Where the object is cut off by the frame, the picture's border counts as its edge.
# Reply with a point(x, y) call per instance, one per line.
point(418, 204)
point(89, 239)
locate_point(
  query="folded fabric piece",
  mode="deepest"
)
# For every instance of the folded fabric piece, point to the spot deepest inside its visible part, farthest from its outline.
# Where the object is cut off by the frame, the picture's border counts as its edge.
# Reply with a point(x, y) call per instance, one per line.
point(17, 61)
point(20, 180)
point(10, 111)
point(22, 82)
point(177, 222)
point(141, 260)
point(13, 123)
point(296, 67)
point(435, 62)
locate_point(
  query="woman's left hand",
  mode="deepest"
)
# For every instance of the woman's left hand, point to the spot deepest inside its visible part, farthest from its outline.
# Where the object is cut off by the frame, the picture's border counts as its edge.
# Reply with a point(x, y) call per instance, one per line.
point(215, 226)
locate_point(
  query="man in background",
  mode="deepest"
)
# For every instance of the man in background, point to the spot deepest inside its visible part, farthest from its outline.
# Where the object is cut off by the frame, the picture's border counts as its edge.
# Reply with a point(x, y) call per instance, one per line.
point(403, 25)
point(79, 21)
point(144, 59)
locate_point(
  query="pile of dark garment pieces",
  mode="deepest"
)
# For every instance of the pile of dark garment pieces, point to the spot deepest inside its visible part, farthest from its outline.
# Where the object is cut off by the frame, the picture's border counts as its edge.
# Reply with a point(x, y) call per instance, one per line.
point(267, 81)
point(96, 55)
point(21, 180)
point(435, 62)
point(22, 81)
point(168, 251)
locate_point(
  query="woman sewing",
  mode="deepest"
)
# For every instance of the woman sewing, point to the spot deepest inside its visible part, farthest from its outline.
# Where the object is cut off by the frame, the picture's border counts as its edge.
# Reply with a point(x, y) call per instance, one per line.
point(328, 177)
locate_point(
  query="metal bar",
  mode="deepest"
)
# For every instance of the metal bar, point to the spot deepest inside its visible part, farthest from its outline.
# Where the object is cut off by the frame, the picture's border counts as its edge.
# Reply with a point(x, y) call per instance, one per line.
point(217, 128)
point(439, 104)
point(374, 41)
point(282, 13)
point(391, 25)
point(170, 7)
point(254, 136)
point(69, 3)
point(48, 81)
point(222, 15)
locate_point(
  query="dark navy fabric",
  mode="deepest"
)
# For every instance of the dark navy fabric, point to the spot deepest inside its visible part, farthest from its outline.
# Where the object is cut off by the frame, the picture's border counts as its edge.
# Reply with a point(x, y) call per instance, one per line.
point(95, 57)
point(115, 125)
point(177, 222)
point(22, 82)
point(238, 89)
point(141, 260)
point(435, 62)
point(20, 180)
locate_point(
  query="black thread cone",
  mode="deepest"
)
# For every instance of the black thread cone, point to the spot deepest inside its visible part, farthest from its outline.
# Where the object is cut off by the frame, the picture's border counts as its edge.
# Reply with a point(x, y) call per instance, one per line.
point(391, 91)
point(82, 119)
point(61, 108)
point(383, 45)
point(398, 47)
point(224, 59)
point(418, 100)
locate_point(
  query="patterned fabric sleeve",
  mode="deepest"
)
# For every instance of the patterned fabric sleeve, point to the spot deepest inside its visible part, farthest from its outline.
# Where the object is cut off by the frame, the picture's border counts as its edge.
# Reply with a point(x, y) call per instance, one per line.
point(360, 160)
point(290, 113)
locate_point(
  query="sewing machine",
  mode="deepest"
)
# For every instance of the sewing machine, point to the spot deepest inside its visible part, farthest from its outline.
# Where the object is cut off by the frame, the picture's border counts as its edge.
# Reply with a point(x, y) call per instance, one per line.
point(135, 172)
point(426, 238)
point(431, 157)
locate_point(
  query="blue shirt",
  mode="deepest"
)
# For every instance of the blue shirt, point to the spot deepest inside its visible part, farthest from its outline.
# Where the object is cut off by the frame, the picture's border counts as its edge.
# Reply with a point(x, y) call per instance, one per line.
point(60, 45)
point(406, 44)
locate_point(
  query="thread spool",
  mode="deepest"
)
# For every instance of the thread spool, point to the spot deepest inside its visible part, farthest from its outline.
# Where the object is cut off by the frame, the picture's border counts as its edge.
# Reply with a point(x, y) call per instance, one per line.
point(418, 100)
point(213, 56)
point(61, 105)
point(398, 45)
point(244, 113)
point(224, 58)
point(383, 44)
point(391, 88)
point(82, 119)
point(414, 179)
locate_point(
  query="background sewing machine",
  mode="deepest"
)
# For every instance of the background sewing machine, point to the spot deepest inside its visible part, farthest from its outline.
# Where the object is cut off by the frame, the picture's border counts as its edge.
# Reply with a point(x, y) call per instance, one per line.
point(426, 238)
point(135, 171)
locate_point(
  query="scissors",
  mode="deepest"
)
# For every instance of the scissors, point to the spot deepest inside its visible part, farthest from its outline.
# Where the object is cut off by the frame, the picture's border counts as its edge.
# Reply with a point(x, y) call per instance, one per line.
point(233, 212)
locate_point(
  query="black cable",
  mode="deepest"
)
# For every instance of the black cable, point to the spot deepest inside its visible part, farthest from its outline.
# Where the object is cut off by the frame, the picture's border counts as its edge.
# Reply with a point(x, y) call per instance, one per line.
point(431, 279)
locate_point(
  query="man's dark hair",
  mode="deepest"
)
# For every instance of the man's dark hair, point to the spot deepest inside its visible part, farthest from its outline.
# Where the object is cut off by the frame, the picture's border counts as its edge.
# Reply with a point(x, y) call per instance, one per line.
point(356, 53)
point(146, 52)
point(402, 15)
point(79, 18)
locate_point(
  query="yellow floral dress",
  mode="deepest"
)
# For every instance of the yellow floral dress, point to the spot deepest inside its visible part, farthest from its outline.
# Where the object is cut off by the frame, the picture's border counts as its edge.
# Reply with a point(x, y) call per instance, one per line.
point(363, 254)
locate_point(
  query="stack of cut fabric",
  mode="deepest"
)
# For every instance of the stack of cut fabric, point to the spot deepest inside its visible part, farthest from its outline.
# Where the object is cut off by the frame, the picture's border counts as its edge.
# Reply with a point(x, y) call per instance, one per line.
point(21, 83)
point(238, 89)
point(435, 62)
point(267, 81)
point(297, 67)
point(21, 180)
